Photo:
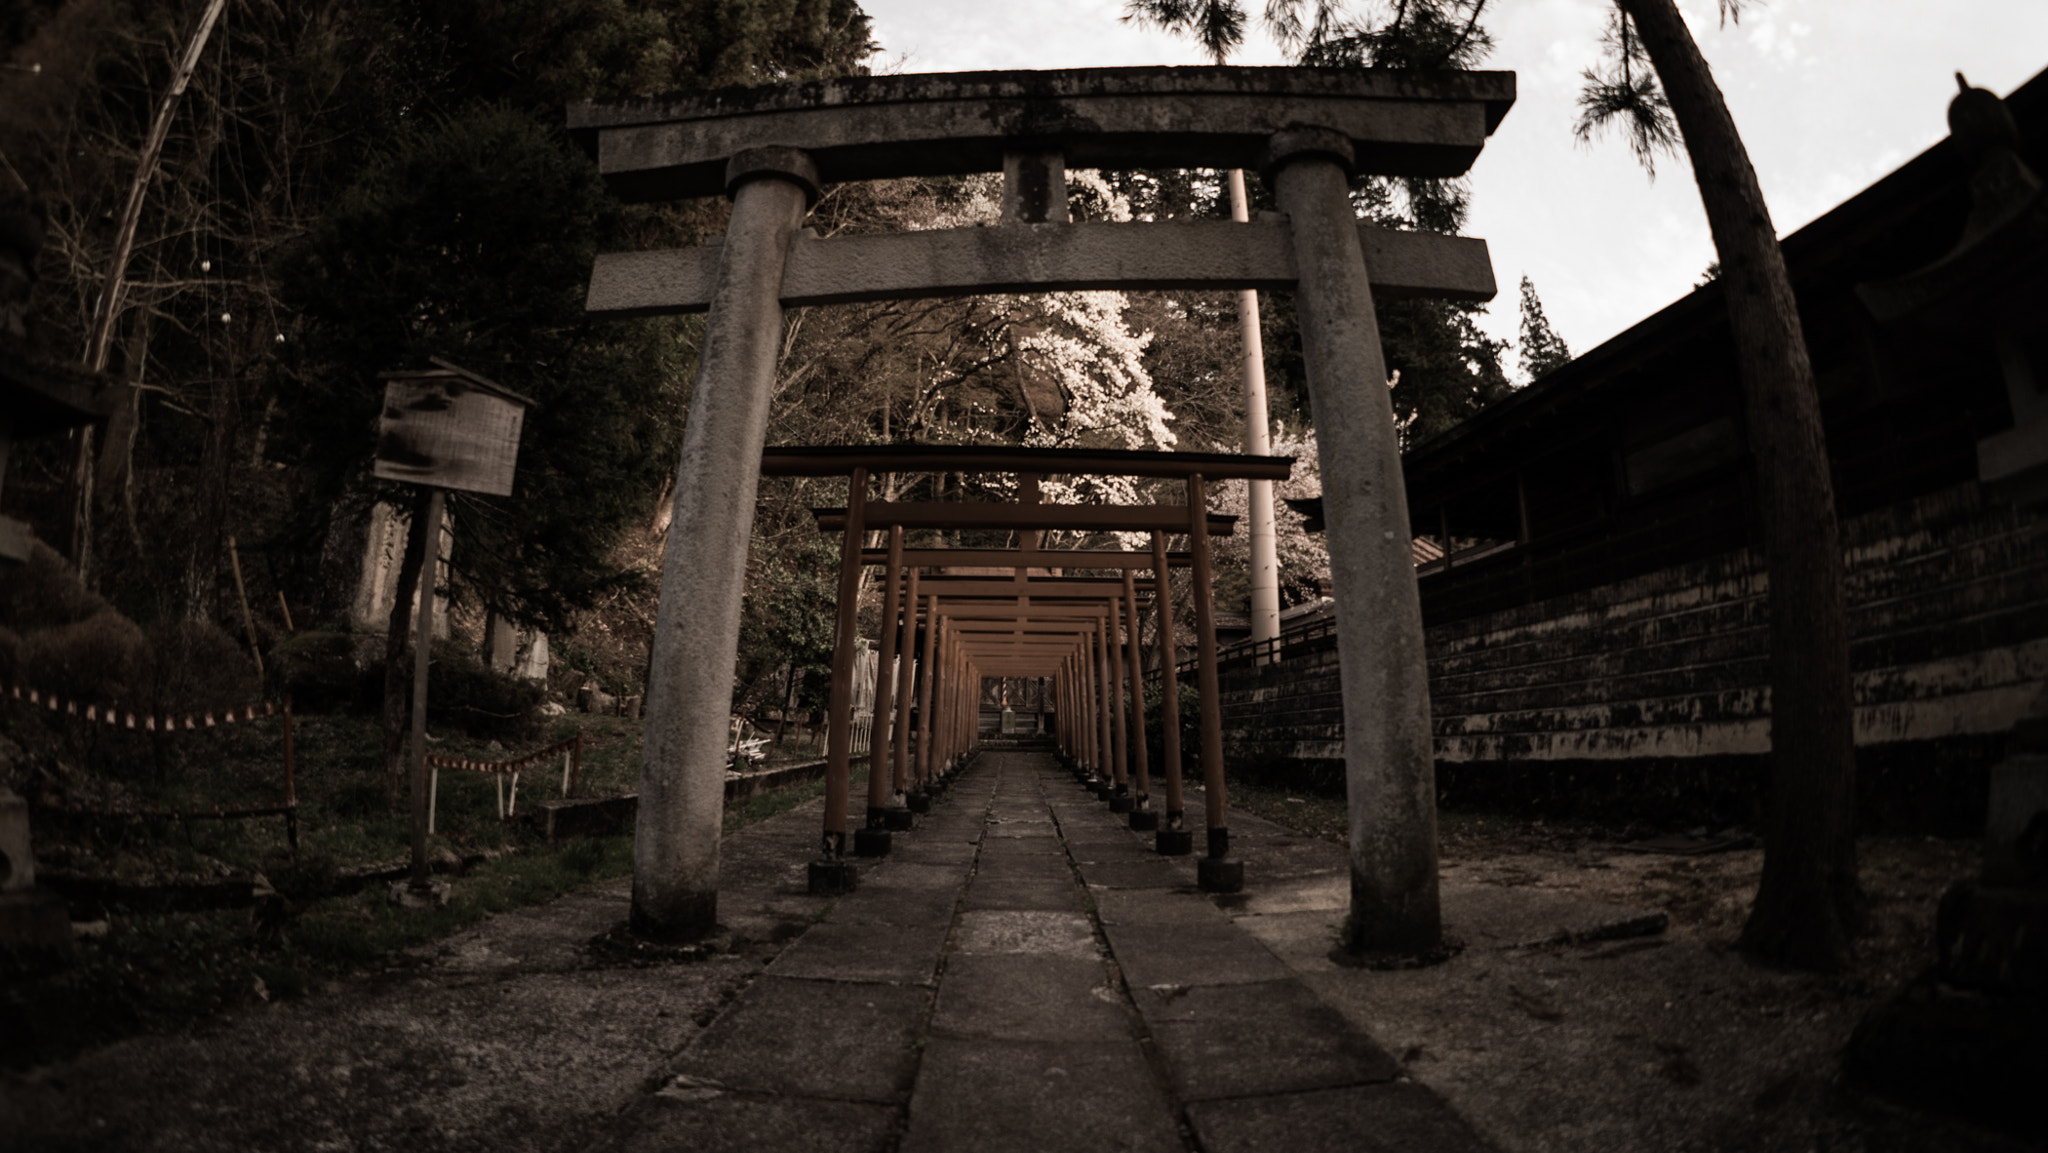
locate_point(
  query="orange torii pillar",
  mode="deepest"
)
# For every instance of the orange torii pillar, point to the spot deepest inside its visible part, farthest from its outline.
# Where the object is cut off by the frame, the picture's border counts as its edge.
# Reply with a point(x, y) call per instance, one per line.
point(1217, 872)
point(1144, 818)
point(915, 797)
point(1174, 839)
point(831, 872)
point(930, 664)
point(872, 840)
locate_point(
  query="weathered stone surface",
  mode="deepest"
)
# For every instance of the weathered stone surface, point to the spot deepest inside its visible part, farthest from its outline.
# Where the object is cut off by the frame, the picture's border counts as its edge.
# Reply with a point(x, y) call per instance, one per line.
point(846, 950)
point(1038, 932)
point(812, 1039)
point(1245, 1040)
point(903, 874)
point(1190, 954)
point(708, 1121)
point(1047, 870)
point(1389, 776)
point(1193, 254)
point(1358, 1119)
point(1138, 873)
point(1140, 907)
point(1017, 997)
point(1030, 1097)
point(907, 907)
point(682, 778)
point(877, 127)
point(1041, 895)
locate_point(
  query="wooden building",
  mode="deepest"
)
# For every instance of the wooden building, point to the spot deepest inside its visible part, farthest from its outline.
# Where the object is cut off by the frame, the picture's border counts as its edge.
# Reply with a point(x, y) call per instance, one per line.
point(1598, 632)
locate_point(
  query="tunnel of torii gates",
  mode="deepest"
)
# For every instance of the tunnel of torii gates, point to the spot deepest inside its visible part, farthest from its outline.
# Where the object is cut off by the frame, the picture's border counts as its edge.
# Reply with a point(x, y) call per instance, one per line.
point(1024, 620)
point(770, 149)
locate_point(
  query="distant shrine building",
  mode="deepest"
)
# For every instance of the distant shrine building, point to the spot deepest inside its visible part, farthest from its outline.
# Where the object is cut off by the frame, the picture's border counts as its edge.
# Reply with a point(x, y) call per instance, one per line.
point(1599, 632)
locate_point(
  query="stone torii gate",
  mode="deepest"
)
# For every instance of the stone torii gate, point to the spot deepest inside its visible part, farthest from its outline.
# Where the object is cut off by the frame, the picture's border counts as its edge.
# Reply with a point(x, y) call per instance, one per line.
point(770, 149)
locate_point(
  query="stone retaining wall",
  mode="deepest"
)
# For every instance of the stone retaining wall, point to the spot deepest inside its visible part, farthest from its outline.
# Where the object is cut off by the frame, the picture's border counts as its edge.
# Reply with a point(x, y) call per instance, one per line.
point(1664, 677)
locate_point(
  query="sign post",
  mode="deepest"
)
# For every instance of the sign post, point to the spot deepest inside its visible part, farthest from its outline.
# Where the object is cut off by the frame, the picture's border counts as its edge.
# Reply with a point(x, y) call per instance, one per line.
point(442, 428)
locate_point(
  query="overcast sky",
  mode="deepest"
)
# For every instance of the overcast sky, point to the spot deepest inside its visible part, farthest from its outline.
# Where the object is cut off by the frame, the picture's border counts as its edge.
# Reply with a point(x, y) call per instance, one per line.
point(1829, 95)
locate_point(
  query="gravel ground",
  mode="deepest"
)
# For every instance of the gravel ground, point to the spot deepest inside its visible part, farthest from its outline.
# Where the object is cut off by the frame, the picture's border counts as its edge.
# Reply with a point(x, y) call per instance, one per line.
point(1672, 1042)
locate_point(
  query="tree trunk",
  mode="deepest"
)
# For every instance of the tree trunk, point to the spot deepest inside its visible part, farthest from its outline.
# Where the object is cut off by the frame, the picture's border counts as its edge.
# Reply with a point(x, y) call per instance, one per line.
point(397, 670)
point(1809, 904)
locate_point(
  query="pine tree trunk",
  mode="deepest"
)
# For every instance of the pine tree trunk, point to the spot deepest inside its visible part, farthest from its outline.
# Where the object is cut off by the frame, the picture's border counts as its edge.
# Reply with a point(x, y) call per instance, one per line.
point(1809, 905)
point(398, 670)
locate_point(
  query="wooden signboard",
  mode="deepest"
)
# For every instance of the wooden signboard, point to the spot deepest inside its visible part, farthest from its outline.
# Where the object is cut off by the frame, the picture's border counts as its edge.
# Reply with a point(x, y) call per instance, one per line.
point(449, 428)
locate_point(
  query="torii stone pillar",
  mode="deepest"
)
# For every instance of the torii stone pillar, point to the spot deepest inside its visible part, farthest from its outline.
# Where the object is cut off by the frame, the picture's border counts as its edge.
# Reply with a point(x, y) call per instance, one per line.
point(696, 631)
point(1389, 772)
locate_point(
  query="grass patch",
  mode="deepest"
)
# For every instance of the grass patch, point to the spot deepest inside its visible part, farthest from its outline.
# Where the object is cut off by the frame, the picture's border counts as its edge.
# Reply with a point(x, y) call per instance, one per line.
point(761, 806)
point(164, 972)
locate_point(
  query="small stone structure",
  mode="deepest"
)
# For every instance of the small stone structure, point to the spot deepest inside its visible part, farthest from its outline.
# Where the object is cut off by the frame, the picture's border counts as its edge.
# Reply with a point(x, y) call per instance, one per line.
point(35, 928)
point(771, 149)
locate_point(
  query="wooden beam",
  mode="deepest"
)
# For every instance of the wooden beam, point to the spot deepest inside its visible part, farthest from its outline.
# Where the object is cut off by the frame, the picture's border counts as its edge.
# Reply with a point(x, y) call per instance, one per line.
point(947, 558)
point(841, 460)
point(1061, 517)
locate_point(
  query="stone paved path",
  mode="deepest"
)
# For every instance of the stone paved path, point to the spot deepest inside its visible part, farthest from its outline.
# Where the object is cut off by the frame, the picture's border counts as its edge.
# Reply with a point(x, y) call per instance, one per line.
point(1023, 973)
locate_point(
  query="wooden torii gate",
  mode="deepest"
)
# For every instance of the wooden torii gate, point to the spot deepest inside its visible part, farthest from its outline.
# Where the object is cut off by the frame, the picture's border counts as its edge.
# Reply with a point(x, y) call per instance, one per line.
point(1307, 130)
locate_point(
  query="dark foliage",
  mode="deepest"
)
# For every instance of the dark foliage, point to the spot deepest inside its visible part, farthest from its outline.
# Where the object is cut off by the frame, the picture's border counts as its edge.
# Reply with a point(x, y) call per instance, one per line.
point(1542, 348)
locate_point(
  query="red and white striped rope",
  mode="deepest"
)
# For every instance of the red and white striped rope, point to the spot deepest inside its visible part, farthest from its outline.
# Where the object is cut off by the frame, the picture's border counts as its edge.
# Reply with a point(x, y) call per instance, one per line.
point(128, 719)
point(175, 812)
point(520, 764)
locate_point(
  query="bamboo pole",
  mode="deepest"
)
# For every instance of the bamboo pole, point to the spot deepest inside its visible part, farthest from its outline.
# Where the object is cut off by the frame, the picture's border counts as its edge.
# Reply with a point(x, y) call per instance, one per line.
point(242, 594)
point(100, 337)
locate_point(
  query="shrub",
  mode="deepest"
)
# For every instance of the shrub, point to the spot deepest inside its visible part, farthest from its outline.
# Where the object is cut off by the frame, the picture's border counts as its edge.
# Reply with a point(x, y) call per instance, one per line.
point(198, 666)
point(44, 593)
point(103, 659)
point(320, 671)
point(482, 702)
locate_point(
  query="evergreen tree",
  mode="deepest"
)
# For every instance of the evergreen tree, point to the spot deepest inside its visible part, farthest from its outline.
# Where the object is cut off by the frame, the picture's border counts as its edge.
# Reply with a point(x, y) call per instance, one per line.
point(471, 240)
point(1809, 904)
point(1448, 368)
point(1542, 348)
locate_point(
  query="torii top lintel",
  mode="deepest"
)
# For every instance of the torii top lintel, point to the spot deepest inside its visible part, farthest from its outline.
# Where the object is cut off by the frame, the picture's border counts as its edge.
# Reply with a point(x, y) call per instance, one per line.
point(1399, 122)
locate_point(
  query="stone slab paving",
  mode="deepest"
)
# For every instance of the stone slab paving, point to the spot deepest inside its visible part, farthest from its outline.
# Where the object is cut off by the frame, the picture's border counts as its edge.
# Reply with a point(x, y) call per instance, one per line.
point(1021, 972)
point(1082, 996)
